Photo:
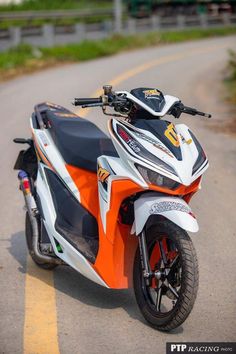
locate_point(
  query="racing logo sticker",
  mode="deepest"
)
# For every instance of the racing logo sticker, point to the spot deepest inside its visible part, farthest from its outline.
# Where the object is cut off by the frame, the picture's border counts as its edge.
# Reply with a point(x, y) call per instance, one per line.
point(103, 174)
point(154, 93)
point(161, 207)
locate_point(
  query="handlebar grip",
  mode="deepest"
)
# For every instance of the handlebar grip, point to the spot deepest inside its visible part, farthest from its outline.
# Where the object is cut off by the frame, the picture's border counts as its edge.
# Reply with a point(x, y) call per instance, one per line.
point(207, 115)
point(190, 110)
point(194, 112)
point(86, 101)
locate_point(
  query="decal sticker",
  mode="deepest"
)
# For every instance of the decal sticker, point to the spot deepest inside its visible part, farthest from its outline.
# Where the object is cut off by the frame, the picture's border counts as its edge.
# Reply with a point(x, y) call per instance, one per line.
point(128, 139)
point(65, 115)
point(189, 141)
point(103, 174)
point(171, 134)
point(154, 93)
point(161, 207)
point(154, 143)
point(44, 139)
point(54, 106)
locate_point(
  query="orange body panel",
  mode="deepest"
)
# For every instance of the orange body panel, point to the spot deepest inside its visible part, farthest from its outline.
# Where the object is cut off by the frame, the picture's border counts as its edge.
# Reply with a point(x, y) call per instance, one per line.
point(117, 247)
point(86, 182)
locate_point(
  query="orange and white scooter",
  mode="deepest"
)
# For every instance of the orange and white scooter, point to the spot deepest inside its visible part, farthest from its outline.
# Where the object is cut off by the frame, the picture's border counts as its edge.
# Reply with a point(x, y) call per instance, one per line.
point(117, 209)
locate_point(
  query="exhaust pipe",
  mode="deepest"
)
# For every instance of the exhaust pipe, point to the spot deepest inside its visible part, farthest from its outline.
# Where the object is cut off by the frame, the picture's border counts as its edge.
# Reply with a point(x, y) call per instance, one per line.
point(32, 209)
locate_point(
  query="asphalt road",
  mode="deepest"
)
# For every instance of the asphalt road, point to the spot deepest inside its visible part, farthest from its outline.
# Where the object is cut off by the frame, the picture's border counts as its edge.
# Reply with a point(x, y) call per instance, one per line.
point(87, 318)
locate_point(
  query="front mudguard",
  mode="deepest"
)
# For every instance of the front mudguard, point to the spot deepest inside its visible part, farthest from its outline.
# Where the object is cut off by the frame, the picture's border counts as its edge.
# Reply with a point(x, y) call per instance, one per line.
point(173, 208)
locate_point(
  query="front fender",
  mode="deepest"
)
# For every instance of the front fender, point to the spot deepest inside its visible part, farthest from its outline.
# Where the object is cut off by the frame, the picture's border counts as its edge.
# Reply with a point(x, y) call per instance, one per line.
point(172, 208)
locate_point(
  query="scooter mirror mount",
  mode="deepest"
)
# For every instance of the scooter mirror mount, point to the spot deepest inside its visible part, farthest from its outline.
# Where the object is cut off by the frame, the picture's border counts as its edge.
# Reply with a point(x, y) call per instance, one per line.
point(107, 89)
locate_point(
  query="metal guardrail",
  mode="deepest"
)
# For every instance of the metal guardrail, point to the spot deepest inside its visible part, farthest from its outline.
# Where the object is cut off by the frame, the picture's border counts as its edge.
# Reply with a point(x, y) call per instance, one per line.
point(49, 35)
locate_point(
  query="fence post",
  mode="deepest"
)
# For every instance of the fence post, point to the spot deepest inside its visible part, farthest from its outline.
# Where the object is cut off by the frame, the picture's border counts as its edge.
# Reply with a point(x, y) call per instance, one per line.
point(155, 22)
point(80, 31)
point(118, 15)
point(181, 21)
point(48, 35)
point(203, 20)
point(131, 28)
point(226, 18)
point(108, 27)
point(15, 34)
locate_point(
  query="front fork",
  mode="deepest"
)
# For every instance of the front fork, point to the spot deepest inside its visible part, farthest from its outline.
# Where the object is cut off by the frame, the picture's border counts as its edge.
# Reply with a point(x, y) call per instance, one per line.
point(147, 272)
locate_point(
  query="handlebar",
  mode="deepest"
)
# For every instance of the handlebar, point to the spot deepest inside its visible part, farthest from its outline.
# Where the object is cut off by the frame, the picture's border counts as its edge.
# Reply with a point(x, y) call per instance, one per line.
point(118, 103)
point(121, 104)
point(180, 108)
point(87, 101)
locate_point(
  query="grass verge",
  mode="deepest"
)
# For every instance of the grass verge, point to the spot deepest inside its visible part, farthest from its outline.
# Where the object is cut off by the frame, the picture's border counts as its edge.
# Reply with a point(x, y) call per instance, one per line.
point(26, 59)
point(35, 5)
point(231, 76)
point(229, 126)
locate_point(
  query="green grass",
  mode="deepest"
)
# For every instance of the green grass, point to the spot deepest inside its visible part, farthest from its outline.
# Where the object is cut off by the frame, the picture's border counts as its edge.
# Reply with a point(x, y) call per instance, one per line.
point(231, 76)
point(27, 59)
point(34, 5)
point(5, 24)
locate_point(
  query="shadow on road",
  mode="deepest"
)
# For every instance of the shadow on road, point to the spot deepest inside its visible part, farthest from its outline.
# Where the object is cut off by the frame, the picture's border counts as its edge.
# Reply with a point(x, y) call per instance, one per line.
point(70, 282)
point(73, 284)
point(18, 250)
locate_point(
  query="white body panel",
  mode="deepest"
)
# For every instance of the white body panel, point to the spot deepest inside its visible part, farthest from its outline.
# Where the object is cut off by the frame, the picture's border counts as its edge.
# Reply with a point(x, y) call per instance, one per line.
point(52, 154)
point(70, 255)
point(182, 169)
point(174, 209)
point(169, 102)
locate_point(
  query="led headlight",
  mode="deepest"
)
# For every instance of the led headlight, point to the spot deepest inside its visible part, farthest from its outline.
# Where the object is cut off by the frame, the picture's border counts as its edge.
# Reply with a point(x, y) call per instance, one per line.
point(155, 178)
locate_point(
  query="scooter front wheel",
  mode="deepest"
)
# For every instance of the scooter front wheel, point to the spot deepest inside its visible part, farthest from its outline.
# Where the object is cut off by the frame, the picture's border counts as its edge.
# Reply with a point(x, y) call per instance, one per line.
point(167, 297)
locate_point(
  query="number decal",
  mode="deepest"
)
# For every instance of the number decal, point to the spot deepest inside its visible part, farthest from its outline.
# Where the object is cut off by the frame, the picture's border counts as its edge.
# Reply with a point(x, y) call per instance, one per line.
point(171, 134)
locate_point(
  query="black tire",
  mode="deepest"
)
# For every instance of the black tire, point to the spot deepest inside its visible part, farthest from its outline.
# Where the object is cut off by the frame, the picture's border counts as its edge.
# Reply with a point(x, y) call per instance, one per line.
point(188, 279)
point(28, 234)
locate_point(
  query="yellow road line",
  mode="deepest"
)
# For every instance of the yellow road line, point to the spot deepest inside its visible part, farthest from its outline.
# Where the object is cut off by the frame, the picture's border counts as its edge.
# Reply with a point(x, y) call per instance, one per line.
point(40, 328)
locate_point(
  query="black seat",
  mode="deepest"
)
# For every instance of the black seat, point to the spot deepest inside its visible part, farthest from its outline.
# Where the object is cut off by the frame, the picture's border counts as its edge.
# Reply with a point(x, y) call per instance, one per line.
point(79, 141)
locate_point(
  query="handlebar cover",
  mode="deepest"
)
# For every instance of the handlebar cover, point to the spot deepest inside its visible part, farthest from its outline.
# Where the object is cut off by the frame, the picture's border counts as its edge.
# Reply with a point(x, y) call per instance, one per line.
point(85, 101)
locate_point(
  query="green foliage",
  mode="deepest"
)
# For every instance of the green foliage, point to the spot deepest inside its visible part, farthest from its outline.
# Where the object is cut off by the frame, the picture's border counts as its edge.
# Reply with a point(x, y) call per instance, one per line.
point(16, 57)
point(232, 65)
point(54, 5)
point(26, 58)
point(36, 5)
point(231, 76)
point(95, 49)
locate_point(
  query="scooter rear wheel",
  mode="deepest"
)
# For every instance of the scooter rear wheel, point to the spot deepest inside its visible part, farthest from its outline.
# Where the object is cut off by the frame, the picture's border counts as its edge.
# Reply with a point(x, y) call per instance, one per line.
point(168, 298)
point(28, 234)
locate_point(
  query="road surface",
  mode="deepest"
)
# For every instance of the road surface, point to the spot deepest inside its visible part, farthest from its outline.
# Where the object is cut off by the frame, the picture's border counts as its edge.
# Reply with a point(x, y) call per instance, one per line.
point(60, 311)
